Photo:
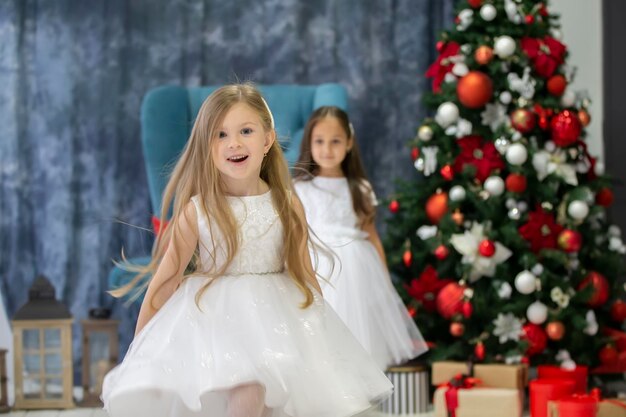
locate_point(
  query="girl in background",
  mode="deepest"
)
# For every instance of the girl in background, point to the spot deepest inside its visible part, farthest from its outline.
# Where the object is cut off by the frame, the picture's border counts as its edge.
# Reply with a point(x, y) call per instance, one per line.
point(340, 206)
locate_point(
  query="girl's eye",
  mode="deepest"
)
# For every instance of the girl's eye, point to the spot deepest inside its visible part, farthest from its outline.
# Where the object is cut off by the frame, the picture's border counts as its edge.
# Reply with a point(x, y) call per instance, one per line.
point(336, 141)
point(221, 135)
point(246, 131)
point(318, 141)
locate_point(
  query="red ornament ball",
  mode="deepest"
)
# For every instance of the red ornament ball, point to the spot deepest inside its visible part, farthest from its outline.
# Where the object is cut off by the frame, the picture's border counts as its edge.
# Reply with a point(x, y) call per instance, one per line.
point(450, 300)
point(529, 19)
point(475, 3)
point(618, 311)
point(394, 206)
point(566, 128)
point(436, 207)
point(544, 123)
point(479, 351)
point(523, 120)
point(556, 85)
point(486, 248)
point(441, 252)
point(407, 258)
point(457, 329)
point(516, 183)
point(415, 153)
point(600, 285)
point(555, 330)
point(608, 355)
point(483, 55)
point(584, 117)
point(474, 89)
point(412, 311)
point(570, 240)
point(447, 172)
point(604, 197)
point(536, 337)
point(467, 309)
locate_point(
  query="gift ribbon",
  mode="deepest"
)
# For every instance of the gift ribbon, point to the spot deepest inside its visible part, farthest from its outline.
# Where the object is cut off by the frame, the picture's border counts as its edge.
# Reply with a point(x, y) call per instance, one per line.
point(595, 395)
point(460, 381)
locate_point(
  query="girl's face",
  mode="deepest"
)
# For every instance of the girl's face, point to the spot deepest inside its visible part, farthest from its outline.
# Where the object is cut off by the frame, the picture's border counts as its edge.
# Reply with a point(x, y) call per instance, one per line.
point(239, 148)
point(329, 146)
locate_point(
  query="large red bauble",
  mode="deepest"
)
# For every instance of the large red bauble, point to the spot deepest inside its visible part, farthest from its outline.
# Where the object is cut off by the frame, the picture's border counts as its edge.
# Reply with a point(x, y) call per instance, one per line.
point(566, 128)
point(486, 248)
point(608, 355)
point(600, 288)
point(457, 329)
point(536, 337)
point(394, 206)
point(570, 240)
point(523, 120)
point(475, 89)
point(618, 311)
point(556, 85)
point(555, 330)
point(604, 197)
point(436, 206)
point(483, 55)
point(450, 300)
point(516, 183)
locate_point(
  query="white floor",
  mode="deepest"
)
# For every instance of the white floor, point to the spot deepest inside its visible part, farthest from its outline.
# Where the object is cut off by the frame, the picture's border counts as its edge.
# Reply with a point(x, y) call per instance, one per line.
point(96, 412)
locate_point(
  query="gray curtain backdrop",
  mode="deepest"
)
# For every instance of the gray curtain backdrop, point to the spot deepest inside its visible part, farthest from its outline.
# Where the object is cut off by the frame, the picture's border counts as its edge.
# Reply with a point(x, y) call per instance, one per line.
point(74, 73)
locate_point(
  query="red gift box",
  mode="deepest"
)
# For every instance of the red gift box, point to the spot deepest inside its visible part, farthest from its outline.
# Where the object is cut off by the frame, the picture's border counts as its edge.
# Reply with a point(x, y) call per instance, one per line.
point(578, 375)
point(542, 391)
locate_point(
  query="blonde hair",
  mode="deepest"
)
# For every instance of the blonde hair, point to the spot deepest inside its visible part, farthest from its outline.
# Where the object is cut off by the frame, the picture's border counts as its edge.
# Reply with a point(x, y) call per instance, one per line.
point(195, 173)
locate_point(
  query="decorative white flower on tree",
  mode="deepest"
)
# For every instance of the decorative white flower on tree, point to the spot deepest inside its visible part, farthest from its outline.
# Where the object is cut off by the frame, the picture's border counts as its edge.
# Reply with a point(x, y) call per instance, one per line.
point(494, 115)
point(507, 327)
point(467, 245)
point(461, 128)
point(546, 163)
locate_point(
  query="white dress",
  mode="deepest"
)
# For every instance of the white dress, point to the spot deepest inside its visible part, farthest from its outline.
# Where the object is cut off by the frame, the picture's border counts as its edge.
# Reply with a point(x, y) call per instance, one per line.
point(248, 329)
point(358, 285)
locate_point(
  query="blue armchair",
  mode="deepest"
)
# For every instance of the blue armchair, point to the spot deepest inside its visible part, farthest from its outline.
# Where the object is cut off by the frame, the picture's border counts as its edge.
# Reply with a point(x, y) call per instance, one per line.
point(167, 115)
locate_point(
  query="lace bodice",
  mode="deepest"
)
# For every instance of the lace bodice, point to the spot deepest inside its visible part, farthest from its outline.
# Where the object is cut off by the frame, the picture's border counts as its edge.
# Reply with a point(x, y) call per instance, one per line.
point(328, 206)
point(260, 241)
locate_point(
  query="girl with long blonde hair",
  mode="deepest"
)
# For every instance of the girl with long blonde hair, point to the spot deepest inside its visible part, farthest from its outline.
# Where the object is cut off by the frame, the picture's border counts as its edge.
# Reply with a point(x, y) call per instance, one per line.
point(233, 323)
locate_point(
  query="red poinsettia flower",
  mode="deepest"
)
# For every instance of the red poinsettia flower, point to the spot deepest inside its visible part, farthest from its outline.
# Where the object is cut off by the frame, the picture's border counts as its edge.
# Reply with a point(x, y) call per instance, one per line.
point(541, 230)
point(442, 65)
point(426, 287)
point(482, 155)
point(546, 54)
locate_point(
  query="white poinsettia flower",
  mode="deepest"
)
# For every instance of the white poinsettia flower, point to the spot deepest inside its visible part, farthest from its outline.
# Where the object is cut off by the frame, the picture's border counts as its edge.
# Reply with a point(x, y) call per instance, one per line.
point(524, 85)
point(592, 324)
point(546, 163)
point(426, 231)
point(466, 17)
point(507, 327)
point(494, 115)
point(467, 245)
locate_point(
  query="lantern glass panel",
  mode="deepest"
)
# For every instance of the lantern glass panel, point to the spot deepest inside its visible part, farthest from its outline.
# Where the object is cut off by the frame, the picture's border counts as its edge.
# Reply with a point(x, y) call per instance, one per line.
point(32, 388)
point(54, 388)
point(99, 357)
point(53, 363)
point(30, 339)
point(52, 338)
point(32, 364)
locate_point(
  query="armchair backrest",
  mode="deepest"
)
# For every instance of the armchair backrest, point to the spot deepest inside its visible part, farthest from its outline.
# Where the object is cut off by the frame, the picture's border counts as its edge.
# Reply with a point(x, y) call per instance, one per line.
point(168, 112)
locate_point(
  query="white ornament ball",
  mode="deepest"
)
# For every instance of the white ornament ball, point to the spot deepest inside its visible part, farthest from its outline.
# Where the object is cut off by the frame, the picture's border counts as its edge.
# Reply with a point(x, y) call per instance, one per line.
point(550, 146)
point(577, 209)
point(505, 97)
point(556, 34)
point(598, 169)
point(525, 282)
point(494, 185)
point(425, 133)
point(516, 154)
point(457, 193)
point(449, 78)
point(568, 99)
point(504, 46)
point(460, 69)
point(447, 114)
point(488, 12)
point(537, 312)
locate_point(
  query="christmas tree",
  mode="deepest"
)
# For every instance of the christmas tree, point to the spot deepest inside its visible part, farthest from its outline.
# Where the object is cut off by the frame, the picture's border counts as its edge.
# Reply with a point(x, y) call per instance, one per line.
point(502, 248)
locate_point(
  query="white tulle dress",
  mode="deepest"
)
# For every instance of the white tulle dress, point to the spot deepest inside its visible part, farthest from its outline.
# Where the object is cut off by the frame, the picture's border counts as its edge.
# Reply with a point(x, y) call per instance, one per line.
point(358, 285)
point(248, 329)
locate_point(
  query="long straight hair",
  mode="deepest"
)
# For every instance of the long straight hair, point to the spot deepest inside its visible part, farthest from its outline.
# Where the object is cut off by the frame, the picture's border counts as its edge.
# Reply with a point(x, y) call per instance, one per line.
point(352, 167)
point(195, 173)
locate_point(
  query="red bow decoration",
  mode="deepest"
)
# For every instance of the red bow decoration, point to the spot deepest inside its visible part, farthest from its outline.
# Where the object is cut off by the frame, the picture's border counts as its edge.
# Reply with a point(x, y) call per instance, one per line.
point(438, 69)
point(158, 226)
point(546, 54)
point(425, 288)
point(459, 381)
point(481, 154)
